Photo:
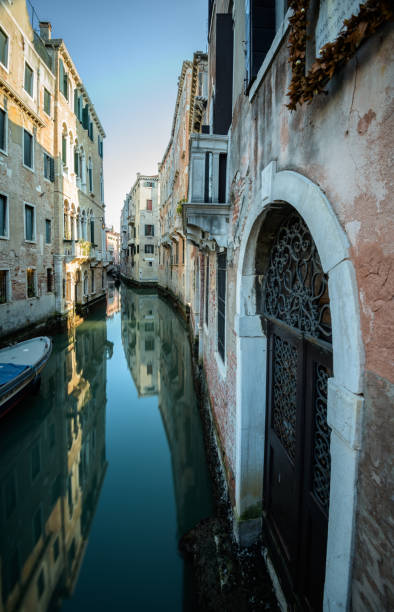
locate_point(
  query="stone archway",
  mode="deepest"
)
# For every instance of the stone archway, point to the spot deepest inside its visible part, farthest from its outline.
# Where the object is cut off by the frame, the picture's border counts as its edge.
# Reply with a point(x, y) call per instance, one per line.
point(344, 404)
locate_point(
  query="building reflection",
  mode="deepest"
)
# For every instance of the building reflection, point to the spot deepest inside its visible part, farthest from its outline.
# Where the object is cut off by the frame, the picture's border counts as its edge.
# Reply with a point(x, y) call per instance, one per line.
point(113, 299)
point(157, 351)
point(52, 466)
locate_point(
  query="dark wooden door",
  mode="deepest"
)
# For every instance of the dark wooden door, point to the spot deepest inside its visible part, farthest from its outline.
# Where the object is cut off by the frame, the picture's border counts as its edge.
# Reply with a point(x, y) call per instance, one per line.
point(297, 459)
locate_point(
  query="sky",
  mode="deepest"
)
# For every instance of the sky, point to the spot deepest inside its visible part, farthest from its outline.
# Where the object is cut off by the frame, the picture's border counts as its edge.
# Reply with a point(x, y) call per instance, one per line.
point(129, 54)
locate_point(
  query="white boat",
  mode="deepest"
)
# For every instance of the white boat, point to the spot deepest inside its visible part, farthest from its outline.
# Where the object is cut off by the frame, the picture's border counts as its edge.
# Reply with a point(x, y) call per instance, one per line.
point(20, 368)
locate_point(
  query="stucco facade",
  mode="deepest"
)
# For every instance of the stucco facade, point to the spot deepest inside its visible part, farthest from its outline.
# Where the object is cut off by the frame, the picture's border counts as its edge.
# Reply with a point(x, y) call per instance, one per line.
point(50, 200)
point(140, 231)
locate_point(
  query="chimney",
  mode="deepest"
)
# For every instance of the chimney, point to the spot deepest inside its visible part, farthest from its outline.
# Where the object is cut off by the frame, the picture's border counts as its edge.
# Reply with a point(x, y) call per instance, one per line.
point(45, 30)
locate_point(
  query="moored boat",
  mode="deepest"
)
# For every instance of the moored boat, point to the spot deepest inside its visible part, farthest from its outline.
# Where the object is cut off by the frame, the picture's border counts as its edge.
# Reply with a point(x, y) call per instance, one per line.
point(20, 368)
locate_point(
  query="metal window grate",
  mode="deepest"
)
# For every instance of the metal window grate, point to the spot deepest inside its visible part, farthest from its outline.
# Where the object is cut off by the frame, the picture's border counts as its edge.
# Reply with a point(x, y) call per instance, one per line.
point(3, 286)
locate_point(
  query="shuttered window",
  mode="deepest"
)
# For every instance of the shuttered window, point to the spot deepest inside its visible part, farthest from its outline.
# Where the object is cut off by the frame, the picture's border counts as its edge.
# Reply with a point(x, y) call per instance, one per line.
point(91, 230)
point(149, 248)
point(27, 149)
point(221, 298)
point(28, 85)
point(3, 130)
point(3, 216)
point(63, 80)
point(148, 204)
point(49, 167)
point(64, 150)
point(85, 117)
point(149, 230)
point(3, 48)
point(48, 232)
point(47, 102)
point(259, 34)
point(29, 222)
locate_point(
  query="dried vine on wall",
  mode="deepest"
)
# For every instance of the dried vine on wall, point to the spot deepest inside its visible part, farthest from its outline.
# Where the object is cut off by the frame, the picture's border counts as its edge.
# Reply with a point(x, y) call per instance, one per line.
point(333, 55)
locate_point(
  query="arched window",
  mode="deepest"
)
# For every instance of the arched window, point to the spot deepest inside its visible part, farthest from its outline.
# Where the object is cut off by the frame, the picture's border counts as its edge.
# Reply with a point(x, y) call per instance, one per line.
point(83, 226)
point(66, 221)
point(64, 145)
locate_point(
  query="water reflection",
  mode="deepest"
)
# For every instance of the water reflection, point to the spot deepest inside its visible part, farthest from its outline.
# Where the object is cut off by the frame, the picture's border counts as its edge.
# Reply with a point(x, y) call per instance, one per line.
point(53, 461)
point(157, 350)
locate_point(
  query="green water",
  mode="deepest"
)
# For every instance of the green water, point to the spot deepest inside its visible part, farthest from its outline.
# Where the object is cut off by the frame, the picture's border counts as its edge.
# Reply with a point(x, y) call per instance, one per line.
point(103, 471)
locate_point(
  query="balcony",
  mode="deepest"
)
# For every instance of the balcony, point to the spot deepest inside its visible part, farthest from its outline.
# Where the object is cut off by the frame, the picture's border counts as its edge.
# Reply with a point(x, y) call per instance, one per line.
point(206, 214)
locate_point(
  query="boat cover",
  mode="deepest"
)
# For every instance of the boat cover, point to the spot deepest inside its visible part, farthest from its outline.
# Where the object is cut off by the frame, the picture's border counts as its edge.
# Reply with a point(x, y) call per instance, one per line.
point(9, 371)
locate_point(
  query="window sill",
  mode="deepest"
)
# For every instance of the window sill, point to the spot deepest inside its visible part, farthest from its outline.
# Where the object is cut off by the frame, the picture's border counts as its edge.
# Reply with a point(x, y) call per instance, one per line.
point(4, 237)
point(28, 168)
point(31, 241)
point(4, 152)
point(276, 43)
point(4, 67)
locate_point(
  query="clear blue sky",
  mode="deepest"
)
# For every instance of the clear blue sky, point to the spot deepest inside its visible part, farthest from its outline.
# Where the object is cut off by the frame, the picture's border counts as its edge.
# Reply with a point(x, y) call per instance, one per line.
point(129, 54)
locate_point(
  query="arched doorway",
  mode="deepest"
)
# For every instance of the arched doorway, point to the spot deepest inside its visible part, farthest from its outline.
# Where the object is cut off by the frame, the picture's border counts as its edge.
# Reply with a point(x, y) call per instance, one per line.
point(294, 303)
point(281, 194)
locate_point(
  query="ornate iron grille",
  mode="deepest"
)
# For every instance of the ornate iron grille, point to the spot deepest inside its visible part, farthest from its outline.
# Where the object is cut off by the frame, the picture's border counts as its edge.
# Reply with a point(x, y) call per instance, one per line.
point(284, 394)
point(296, 289)
point(321, 461)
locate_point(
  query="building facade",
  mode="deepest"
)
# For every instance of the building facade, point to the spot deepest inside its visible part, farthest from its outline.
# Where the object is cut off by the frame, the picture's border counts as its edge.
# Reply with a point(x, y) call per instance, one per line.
point(140, 231)
point(52, 245)
point(290, 208)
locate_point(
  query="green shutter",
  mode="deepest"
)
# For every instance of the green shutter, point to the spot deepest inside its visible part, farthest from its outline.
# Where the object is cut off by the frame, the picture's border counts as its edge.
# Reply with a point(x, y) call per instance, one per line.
point(51, 169)
point(61, 75)
point(85, 117)
point(64, 150)
point(76, 160)
point(76, 98)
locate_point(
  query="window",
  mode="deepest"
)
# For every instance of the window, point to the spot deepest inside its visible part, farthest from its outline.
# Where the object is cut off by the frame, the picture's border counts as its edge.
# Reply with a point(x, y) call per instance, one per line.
point(40, 584)
point(221, 296)
point(149, 344)
point(101, 187)
point(148, 204)
point(49, 280)
point(92, 231)
point(64, 150)
point(35, 461)
point(149, 248)
point(100, 146)
point(49, 168)
point(150, 326)
point(27, 149)
point(47, 102)
point(260, 32)
point(92, 279)
point(90, 174)
point(28, 80)
point(90, 131)
point(76, 162)
point(4, 286)
point(149, 368)
point(85, 284)
point(149, 184)
point(3, 48)
point(206, 289)
point(31, 282)
point(48, 231)
point(3, 216)
point(149, 230)
point(30, 230)
point(3, 130)
point(63, 80)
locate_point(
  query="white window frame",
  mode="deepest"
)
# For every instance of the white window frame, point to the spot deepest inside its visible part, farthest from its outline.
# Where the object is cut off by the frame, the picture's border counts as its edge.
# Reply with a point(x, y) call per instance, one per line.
point(31, 95)
point(7, 236)
point(32, 149)
point(8, 286)
point(8, 49)
point(4, 109)
point(34, 241)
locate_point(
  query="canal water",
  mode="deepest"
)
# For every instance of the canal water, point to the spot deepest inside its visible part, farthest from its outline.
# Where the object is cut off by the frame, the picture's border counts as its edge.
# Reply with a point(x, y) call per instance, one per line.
point(103, 470)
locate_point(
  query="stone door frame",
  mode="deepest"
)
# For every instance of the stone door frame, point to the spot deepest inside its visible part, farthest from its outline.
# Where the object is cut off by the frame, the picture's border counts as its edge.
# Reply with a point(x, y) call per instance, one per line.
point(345, 401)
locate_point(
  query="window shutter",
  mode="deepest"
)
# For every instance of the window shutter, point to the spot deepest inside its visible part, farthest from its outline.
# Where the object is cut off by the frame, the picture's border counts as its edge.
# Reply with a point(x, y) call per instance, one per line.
point(2, 129)
point(51, 169)
point(76, 164)
point(76, 101)
point(64, 150)
point(91, 230)
point(85, 117)
point(61, 75)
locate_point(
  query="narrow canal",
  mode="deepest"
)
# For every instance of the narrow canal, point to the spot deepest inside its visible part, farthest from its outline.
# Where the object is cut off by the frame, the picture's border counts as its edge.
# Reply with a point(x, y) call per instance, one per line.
point(104, 470)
